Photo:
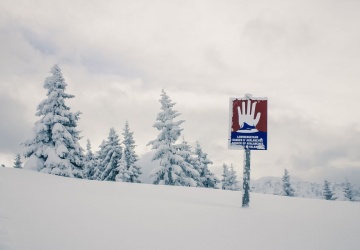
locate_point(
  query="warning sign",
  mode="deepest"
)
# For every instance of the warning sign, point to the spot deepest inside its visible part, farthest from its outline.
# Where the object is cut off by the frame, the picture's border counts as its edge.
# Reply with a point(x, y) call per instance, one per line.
point(248, 123)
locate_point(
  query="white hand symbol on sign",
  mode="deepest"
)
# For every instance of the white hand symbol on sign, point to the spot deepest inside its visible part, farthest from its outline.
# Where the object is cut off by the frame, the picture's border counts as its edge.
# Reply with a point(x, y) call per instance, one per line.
point(247, 121)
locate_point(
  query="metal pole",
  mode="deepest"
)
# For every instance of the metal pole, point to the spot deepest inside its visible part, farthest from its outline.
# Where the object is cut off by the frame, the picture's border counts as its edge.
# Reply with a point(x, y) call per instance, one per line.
point(246, 179)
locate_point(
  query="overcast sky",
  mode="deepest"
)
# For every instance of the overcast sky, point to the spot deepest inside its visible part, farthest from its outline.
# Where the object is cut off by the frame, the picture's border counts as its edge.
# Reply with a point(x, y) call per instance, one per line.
point(116, 56)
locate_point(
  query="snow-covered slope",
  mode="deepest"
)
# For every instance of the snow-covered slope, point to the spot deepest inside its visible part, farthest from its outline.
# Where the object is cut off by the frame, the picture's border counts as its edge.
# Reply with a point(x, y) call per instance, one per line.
point(46, 212)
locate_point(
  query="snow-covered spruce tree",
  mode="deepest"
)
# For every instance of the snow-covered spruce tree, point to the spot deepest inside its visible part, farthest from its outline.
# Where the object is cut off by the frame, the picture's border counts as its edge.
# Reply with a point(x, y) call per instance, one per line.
point(207, 178)
point(327, 193)
point(235, 182)
point(187, 152)
point(225, 180)
point(89, 162)
point(130, 156)
point(229, 181)
point(17, 163)
point(98, 158)
point(189, 175)
point(54, 147)
point(348, 191)
point(287, 189)
point(124, 173)
point(110, 157)
point(172, 169)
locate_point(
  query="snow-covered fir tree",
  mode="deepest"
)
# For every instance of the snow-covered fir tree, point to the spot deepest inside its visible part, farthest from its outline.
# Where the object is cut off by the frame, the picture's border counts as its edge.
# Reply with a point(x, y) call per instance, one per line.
point(172, 169)
point(54, 146)
point(124, 173)
point(207, 178)
point(110, 156)
point(236, 183)
point(187, 152)
point(98, 157)
point(130, 157)
point(229, 180)
point(89, 162)
point(327, 193)
point(348, 191)
point(17, 162)
point(287, 189)
point(3, 166)
point(189, 175)
point(225, 180)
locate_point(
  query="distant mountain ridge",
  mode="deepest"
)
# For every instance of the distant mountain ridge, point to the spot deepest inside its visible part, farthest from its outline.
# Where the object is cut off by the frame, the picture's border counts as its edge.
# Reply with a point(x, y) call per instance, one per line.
point(273, 185)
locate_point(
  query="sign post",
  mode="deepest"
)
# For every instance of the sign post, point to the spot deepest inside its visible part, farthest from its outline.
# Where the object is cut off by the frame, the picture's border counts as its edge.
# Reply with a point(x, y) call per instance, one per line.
point(246, 179)
point(248, 131)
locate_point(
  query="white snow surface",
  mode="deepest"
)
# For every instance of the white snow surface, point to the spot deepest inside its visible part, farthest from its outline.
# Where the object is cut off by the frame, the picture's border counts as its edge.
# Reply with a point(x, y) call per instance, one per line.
point(40, 211)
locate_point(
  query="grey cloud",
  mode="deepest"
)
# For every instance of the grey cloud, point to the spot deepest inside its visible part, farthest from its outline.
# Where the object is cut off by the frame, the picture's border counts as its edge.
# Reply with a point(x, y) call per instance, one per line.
point(40, 40)
point(278, 35)
point(214, 58)
point(116, 57)
point(43, 44)
point(340, 174)
point(340, 150)
point(97, 63)
point(14, 129)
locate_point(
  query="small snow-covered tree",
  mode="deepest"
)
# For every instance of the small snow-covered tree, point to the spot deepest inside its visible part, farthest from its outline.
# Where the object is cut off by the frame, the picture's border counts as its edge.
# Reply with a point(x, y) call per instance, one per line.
point(55, 144)
point(17, 163)
point(348, 191)
point(225, 180)
point(207, 178)
point(89, 162)
point(110, 156)
point(98, 158)
point(124, 173)
point(235, 182)
point(189, 175)
point(327, 193)
point(172, 166)
point(287, 189)
point(3, 166)
point(229, 180)
point(130, 157)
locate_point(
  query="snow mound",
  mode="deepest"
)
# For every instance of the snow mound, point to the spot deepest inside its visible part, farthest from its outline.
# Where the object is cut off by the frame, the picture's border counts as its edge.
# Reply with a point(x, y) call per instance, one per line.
point(34, 163)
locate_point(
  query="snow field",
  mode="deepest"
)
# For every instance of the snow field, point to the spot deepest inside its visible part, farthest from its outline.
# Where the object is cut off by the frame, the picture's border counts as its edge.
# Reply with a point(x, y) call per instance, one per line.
point(40, 211)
